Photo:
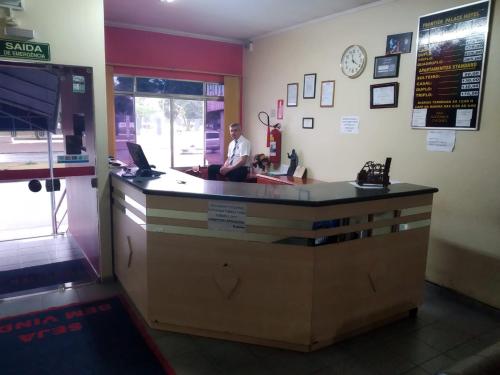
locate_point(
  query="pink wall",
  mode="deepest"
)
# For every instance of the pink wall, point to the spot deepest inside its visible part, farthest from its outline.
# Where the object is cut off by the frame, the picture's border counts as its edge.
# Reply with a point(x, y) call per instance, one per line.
point(170, 56)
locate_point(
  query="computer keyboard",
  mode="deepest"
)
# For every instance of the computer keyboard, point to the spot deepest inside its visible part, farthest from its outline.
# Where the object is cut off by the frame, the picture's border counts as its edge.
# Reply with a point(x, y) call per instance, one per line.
point(142, 173)
point(156, 173)
point(148, 173)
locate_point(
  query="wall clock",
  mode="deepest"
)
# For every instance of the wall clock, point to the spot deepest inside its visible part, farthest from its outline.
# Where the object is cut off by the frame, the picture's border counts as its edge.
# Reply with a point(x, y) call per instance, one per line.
point(353, 61)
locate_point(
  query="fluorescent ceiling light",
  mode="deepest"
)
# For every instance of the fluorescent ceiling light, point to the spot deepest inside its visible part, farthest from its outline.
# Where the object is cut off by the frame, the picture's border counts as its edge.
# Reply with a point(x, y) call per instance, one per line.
point(14, 4)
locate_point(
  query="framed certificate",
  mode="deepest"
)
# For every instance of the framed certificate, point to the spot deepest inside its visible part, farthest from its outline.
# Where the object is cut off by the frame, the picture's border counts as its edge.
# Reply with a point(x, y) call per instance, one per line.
point(307, 122)
point(384, 95)
point(292, 90)
point(327, 93)
point(386, 66)
point(309, 86)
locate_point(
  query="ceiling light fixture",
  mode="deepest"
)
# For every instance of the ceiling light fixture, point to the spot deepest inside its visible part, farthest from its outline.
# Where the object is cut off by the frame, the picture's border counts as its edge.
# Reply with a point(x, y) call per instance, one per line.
point(167, 1)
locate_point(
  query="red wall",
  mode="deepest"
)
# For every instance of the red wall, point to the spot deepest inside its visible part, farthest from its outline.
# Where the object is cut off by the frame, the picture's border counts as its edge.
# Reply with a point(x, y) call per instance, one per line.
point(170, 56)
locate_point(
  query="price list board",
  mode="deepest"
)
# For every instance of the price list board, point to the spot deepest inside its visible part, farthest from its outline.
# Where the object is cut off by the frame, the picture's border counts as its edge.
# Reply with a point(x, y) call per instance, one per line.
point(451, 52)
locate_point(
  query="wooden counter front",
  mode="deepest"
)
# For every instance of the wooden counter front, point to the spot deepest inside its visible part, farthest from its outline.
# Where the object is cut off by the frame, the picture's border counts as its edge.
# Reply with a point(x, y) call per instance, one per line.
point(297, 277)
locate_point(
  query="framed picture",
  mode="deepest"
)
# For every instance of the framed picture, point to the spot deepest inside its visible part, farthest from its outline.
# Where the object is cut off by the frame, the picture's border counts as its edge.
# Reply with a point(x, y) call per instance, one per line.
point(386, 66)
point(309, 86)
point(398, 43)
point(327, 93)
point(307, 122)
point(292, 91)
point(384, 95)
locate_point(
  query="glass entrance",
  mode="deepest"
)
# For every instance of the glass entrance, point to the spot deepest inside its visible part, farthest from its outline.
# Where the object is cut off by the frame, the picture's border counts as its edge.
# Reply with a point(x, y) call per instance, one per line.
point(47, 177)
point(28, 214)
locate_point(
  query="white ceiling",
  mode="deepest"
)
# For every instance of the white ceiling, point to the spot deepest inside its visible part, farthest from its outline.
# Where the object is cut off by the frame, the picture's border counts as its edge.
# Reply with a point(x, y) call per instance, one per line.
point(237, 21)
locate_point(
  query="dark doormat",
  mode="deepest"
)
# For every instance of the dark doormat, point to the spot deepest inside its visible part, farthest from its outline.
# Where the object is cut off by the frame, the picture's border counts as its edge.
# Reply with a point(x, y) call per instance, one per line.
point(76, 270)
point(94, 338)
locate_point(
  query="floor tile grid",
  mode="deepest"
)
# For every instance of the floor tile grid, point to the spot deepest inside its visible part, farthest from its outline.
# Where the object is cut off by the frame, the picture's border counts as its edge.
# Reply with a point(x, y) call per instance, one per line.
point(36, 252)
point(403, 347)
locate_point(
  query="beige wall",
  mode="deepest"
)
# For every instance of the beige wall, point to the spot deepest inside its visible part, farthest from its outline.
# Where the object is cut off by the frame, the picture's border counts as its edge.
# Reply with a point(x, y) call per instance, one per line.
point(465, 236)
point(75, 31)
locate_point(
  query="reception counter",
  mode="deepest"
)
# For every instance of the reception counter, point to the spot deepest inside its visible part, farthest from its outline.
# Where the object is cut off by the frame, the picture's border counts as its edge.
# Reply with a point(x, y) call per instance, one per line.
point(295, 267)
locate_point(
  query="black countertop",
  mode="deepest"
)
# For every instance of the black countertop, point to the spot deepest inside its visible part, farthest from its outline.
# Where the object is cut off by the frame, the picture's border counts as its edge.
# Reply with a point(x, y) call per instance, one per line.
point(178, 184)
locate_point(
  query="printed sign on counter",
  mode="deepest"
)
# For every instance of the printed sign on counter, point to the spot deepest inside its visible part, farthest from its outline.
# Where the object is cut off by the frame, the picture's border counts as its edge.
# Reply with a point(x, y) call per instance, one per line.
point(227, 216)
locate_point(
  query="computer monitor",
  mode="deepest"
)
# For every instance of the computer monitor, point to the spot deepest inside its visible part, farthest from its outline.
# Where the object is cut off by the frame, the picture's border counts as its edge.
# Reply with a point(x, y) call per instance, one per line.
point(139, 159)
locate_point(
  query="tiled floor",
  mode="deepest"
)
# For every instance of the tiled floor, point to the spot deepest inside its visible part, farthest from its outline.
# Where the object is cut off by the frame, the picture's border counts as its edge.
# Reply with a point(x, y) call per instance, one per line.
point(37, 251)
point(447, 328)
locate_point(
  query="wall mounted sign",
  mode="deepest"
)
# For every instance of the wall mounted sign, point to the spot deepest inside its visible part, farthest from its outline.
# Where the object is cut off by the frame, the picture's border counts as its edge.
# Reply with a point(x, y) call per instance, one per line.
point(451, 53)
point(79, 84)
point(349, 124)
point(386, 66)
point(279, 112)
point(18, 49)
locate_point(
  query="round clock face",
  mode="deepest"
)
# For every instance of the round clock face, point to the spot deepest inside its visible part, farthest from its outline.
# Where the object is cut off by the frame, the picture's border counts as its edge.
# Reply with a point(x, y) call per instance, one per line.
point(353, 61)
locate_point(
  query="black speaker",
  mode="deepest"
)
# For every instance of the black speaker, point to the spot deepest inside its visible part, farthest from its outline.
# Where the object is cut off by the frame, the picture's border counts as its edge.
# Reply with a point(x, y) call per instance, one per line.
point(78, 124)
point(35, 186)
point(73, 144)
point(53, 185)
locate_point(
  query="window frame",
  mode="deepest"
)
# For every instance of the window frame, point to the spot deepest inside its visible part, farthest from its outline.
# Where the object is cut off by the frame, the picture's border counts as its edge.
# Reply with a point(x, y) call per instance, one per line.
point(204, 98)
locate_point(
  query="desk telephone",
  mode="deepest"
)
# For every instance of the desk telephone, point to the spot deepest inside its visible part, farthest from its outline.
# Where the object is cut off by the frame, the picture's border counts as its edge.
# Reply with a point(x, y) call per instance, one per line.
point(142, 173)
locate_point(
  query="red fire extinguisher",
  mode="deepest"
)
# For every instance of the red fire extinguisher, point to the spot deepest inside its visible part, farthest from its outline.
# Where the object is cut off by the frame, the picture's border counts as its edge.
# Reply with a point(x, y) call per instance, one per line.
point(273, 138)
point(275, 146)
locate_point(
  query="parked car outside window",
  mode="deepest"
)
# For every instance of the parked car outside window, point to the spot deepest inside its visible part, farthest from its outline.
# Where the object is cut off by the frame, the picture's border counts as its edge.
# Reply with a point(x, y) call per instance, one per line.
point(212, 141)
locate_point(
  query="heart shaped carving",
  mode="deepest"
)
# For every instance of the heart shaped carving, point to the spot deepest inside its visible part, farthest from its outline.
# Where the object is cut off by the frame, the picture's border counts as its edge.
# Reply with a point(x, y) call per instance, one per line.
point(378, 276)
point(226, 280)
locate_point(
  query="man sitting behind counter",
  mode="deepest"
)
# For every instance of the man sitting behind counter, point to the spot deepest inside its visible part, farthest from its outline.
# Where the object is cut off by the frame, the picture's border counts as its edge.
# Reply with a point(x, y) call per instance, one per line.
point(237, 164)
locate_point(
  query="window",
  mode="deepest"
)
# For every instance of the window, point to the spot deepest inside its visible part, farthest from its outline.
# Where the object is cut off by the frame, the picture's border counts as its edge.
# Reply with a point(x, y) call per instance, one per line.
point(124, 126)
point(214, 89)
point(124, 84)
point(178, 123)
point(167, 86)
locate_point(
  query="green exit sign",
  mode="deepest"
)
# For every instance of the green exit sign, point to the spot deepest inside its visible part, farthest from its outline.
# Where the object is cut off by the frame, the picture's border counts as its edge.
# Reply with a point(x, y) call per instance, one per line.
point(18, 49)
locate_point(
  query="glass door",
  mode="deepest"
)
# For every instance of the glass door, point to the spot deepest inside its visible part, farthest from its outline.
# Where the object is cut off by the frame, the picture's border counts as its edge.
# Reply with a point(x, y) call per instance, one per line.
point(47, 143)
point(26, 213)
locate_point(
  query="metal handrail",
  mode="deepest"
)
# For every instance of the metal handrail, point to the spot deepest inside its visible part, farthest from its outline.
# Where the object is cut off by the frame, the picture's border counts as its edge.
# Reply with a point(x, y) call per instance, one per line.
point(60, 202)
point(58, 224)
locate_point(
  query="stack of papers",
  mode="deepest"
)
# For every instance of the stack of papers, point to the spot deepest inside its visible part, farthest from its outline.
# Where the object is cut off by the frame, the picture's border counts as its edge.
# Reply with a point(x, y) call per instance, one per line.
point(281, 171)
